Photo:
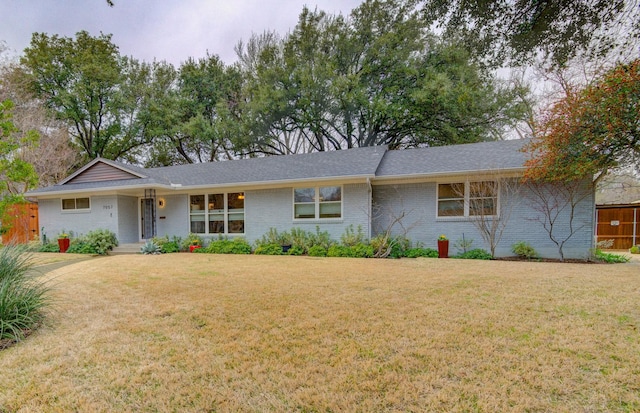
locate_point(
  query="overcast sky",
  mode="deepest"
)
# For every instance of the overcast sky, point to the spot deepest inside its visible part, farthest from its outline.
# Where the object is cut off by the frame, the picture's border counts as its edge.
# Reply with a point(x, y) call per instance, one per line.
point(170, 30)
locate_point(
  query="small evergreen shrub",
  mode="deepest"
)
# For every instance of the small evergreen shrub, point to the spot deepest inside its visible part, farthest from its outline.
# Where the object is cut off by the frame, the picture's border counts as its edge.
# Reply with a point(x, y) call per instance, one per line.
point(317, 251)
point(421, 252)
point(399, 245)
point(81, 247)
point(269, 249)
point(352, 237)
point(362, 250)
point(635, 249)
point(102, 241)
point(296, 250)
point(225, 246)
point(339, 251)
point(475, 254)
point(22, 296)
point(48, 247)
point(170, 247)
point(524, 250)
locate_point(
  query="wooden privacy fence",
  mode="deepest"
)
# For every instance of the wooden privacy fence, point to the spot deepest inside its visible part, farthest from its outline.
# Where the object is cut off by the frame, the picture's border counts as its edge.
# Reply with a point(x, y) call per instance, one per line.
point(21, 223)
point(619, 223)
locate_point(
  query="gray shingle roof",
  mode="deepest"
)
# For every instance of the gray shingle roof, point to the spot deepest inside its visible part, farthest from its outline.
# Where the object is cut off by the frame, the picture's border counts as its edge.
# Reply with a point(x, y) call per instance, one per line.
point(369, 162)
point(472, 157)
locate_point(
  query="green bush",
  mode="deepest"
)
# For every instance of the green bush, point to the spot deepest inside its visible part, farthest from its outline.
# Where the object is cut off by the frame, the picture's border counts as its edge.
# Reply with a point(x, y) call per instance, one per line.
point(102, 241)
point(170, 247)
point(296, 250)
point(269, 249)
point(225, 246)
point(352, 237)
point(399, 245)
point(635, 249)
point(317, 251)
point(339, 251)
point(475, 254)
point(524, 250)
point(22, 296)
point(81, 247)
point(421, 252)
point(48, 247)
point(610, 258)
point(191, 239)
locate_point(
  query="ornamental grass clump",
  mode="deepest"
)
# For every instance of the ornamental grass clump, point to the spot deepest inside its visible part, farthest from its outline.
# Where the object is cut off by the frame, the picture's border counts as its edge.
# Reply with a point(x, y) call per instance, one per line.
point(23, 297)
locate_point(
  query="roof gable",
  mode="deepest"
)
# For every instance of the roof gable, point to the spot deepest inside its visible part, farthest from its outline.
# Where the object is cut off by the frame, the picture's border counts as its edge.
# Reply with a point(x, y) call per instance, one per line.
point(100, 170)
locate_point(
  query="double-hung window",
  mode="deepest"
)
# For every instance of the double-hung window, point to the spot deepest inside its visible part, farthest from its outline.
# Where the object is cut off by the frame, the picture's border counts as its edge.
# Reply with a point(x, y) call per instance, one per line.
point(322, 202)
point(468, 199)
point(76, 204)
point(217, 213)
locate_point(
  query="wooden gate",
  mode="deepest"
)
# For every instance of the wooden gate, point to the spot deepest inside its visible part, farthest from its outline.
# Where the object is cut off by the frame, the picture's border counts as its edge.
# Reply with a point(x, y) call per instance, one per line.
point(619, 223)
point(21, 225)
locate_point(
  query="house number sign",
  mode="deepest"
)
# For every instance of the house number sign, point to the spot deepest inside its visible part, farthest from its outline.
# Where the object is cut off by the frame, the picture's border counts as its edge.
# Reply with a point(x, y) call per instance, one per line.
point(107, 206)
point(615, 223)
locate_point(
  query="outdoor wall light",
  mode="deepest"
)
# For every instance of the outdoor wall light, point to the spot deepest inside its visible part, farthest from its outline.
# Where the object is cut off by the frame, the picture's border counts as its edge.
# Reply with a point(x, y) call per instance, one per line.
point(161, 203)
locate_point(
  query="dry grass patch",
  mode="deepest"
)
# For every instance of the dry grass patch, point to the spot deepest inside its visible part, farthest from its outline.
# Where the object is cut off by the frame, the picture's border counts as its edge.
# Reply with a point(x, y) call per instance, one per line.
point(192, 332)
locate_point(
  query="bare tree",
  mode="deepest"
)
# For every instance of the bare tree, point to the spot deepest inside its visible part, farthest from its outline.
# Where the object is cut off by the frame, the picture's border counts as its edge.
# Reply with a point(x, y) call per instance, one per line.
point(491, 203)
point(557, 205)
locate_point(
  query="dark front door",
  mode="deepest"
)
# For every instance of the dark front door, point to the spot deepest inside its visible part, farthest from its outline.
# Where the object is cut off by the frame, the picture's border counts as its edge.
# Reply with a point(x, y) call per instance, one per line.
point(148, 218)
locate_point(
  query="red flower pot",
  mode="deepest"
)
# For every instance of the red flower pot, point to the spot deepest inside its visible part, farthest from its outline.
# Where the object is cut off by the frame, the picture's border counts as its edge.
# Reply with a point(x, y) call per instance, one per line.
point(443, 248)
point(63, 243)
point(193, 247)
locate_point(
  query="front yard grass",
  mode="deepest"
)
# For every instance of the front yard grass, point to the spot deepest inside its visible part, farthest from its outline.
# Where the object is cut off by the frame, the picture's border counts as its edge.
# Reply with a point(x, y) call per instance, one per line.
point(199, 332)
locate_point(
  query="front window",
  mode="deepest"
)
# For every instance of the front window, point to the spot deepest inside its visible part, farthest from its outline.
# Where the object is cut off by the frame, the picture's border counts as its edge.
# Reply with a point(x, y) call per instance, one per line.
point(468, 199)
point(217, 213)
point(317, 202)
point(74, 204)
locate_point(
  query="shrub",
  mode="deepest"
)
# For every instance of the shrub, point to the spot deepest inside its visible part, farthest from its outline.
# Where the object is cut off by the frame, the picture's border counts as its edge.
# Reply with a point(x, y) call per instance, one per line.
point(635, 249)
point(170, 247)
point(48, 247)
point(399, 245)
point(150, 248)
point(81, 247)
point(269, 249)
point(225, 246)
point(362, 250)
point(421, 252)
point(352, 237)
point(339, 251)
point(524, 250)
point(102, 241)
point(321, 238)
point(299, 239)
point(22, 296)
point(475, 254)
point(296, 250)
point(610, 258)
point(318, 251)
point(191, 239)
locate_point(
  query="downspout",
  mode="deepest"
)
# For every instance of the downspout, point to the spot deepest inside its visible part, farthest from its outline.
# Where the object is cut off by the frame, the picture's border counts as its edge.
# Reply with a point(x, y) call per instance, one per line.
point(370, 206)
point(635, 225)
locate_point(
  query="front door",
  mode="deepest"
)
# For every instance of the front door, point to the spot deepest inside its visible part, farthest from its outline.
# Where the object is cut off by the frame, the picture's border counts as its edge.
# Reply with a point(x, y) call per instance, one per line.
point(147, 218)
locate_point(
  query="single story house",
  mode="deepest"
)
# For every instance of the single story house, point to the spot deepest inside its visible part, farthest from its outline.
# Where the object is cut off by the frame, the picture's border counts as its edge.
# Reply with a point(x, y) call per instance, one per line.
point(420, 193)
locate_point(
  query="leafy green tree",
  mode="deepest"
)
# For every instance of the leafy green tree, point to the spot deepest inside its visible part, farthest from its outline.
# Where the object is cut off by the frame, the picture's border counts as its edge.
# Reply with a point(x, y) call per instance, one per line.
point(16, 175)
point(515, 31)
point(90, 87)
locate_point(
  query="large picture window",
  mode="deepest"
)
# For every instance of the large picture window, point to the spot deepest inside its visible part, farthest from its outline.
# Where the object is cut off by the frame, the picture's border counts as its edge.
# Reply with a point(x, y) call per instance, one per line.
point(468, 199)
point(75, 204)
point(322, 202)
point(217, 213)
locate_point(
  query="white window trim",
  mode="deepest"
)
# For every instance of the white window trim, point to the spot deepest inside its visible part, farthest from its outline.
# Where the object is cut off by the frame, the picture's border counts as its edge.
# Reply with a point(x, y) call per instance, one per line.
point(76, 209)
point(467, 196)
point(226, 214)
point(317, 218)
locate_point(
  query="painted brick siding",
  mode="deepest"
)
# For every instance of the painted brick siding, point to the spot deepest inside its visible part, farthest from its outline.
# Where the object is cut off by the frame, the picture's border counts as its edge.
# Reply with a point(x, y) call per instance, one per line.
point(176, 216)
point(269, 208)
point(419, 203)
point(102, 215)
point(128, 226)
